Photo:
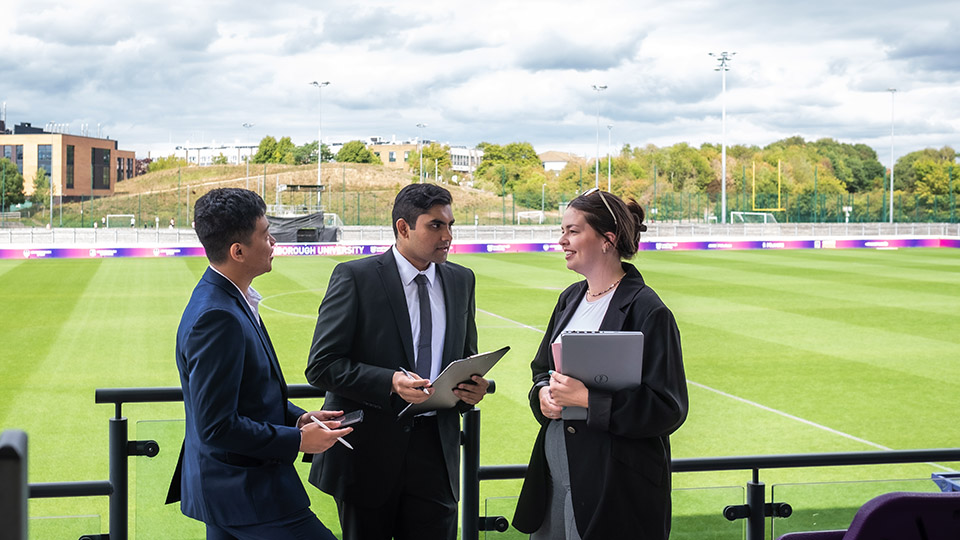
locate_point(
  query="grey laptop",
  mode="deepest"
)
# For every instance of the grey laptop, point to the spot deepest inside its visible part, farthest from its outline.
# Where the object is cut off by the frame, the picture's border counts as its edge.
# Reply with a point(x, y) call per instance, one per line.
point(601, 360)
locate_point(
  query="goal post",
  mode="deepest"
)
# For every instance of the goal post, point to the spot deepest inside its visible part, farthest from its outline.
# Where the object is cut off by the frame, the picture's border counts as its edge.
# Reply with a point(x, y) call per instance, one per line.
point(530, 215)
point(752, 217)
point(121, 220)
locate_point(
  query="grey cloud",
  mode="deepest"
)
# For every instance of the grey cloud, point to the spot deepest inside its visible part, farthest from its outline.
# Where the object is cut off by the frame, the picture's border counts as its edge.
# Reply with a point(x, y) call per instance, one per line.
point(556, 52)
point(927, 52)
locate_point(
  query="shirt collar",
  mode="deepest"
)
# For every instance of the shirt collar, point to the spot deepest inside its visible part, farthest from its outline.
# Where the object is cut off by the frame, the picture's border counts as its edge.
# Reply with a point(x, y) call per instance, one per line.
point(408, 272)
point(251, 295)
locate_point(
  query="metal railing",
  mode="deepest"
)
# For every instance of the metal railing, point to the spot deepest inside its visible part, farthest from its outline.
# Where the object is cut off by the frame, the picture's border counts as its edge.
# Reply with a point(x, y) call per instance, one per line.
point(487, 233)
point(754, 511)
point(13, 462)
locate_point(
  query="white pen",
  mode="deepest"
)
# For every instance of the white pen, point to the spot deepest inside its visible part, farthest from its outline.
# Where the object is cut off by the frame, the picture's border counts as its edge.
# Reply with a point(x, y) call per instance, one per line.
point(324, 426)
point(408, 374)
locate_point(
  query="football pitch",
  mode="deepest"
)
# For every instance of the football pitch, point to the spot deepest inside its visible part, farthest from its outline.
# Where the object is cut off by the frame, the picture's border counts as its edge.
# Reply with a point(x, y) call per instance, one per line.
point(785, 352)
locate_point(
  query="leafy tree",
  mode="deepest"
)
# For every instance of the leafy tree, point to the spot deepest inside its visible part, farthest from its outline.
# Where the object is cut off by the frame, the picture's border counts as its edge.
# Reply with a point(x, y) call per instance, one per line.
point(284, 152)
point(435, 156)
point(357, 152)
point(169, 162)
point(41, 188)
point(266, 150)
point(220, 160)
point(12, 183)
point(307, 153)
point(904, 173)
point(504, 166)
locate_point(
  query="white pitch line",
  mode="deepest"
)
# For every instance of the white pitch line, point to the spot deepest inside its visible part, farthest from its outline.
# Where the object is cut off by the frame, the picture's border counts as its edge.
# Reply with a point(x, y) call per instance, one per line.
point(520, 324)
point(753, 403)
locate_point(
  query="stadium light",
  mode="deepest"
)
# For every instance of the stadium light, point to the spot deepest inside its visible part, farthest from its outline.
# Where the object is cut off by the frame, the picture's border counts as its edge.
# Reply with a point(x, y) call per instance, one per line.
point(320, 86)
point(722, 60)
point(420, 151)
point(609, 130)
point(893, 92)
point(599, 88)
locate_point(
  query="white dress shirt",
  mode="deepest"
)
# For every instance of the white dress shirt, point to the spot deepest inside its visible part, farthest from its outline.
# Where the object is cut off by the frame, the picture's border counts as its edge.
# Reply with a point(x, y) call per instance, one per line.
point(251, 296)
point(438, 310)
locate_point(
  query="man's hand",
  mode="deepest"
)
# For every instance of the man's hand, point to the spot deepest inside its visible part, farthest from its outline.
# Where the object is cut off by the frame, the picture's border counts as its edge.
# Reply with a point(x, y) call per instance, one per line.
point(568, 392)
point(411, 388)
point(323, 416)
point(314, 439)
point(472, 392)
point(548, 406)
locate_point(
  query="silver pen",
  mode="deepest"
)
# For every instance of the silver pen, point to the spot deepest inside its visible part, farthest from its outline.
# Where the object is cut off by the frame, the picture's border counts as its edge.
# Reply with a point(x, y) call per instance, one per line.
point(410, 375)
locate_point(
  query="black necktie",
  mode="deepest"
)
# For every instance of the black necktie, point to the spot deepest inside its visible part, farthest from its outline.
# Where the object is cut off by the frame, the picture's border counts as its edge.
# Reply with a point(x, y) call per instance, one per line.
point(424, 352)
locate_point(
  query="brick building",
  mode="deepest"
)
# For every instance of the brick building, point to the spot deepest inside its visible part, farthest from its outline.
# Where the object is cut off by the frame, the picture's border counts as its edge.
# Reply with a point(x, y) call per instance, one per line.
point(78, 166)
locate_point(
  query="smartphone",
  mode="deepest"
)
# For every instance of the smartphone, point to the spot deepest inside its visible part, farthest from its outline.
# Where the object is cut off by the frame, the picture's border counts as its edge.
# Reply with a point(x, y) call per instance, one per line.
point(354, 417)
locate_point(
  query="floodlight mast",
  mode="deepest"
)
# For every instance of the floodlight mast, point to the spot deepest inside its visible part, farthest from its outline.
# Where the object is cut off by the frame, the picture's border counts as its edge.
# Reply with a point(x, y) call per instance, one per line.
point(599, 88)
point(893, 92)
point(722, 59)
point(320, 86)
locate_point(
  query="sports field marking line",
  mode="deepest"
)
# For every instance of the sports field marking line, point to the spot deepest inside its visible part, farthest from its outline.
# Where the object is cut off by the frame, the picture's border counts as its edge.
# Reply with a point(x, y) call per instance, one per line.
point(753, 403)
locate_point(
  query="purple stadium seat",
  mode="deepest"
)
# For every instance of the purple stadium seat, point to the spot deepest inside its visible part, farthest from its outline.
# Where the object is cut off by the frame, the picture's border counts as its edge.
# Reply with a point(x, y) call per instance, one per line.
point(899, 516)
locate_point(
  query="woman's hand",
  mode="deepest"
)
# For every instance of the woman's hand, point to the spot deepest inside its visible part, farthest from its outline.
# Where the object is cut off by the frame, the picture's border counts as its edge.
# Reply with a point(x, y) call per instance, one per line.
point(567, 391)
point(548, 406)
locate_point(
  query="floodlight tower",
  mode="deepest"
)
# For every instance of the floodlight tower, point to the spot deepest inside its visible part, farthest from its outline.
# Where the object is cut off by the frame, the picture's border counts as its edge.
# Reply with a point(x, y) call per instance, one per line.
point(893, 92)
point(320, 86)
point(599, 88)
point(722, 59)
point(420, 150)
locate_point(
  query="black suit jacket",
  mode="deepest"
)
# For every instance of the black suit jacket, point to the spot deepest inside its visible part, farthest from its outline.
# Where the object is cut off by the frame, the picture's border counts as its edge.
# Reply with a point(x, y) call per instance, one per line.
point(619, 457)
point(362, 338)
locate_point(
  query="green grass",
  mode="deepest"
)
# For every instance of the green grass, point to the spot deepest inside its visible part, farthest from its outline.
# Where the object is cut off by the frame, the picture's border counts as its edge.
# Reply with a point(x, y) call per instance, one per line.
point(861, 347)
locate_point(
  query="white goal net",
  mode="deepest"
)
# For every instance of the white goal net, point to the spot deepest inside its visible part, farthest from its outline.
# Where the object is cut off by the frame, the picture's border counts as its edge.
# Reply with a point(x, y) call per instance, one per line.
point(752, 217)
point(120, 220)
point(530, 216)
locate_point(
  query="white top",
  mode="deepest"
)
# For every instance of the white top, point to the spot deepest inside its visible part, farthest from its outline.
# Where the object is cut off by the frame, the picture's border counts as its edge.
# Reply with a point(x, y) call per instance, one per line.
point(251, 296)
point(588, 316)
point(438, 310)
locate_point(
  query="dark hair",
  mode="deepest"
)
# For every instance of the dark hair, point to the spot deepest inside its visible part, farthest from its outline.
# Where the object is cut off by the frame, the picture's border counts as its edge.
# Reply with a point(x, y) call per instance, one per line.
point(415, 200)
point(627, 227)
point(225, 216)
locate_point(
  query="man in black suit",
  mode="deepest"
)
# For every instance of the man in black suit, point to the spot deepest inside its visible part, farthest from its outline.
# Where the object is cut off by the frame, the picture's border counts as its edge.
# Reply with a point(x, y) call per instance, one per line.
point(379, 317)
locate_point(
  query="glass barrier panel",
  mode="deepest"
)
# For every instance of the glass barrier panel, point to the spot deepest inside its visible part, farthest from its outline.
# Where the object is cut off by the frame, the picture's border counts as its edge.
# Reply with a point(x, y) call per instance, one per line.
point(698, 513)
point(151, 479)
point(501, 506)
point(70, 527)
point(825, 506)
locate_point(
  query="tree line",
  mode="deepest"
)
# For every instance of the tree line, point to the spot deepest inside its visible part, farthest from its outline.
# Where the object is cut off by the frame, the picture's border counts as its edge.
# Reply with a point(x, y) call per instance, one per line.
point(792, 167)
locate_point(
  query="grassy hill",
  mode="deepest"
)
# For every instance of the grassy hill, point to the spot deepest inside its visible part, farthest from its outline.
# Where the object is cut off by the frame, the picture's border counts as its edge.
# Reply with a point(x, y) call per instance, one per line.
point(362, 194)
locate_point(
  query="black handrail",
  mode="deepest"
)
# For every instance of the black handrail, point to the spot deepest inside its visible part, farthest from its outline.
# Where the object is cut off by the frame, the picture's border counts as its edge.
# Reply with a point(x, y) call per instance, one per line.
point(754, 511)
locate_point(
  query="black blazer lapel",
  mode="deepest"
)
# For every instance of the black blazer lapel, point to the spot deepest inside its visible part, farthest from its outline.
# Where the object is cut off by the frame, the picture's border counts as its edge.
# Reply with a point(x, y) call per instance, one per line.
point(622, 299)
point(569, 309)
point(451, 290)
point(393, 290)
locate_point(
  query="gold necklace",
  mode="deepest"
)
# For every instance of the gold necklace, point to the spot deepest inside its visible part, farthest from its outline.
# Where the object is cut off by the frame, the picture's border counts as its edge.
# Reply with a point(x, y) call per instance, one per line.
point(605, 291)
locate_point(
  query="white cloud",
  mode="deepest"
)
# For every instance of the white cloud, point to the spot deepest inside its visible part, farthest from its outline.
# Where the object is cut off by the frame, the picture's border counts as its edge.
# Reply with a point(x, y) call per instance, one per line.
point(160, 73)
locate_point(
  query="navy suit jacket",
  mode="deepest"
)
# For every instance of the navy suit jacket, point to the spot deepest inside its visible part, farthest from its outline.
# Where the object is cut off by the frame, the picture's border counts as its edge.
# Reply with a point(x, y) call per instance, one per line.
point(241, 437)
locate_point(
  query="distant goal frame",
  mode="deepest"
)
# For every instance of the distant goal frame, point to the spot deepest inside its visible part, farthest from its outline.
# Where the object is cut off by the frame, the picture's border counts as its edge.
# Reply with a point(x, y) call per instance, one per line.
point(126, 223)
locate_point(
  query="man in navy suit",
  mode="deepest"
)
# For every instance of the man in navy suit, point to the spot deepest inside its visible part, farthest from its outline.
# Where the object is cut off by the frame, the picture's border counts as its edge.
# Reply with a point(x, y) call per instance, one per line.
point(242, 434)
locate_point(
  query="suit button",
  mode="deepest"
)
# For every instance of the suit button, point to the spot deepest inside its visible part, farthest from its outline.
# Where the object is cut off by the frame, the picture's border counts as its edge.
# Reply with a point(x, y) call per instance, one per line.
point(407, 429)
point(571, 429)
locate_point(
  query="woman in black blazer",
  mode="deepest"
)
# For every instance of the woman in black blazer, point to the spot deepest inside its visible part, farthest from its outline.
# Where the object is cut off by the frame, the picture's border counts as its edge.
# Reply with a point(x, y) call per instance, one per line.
point(607, 476)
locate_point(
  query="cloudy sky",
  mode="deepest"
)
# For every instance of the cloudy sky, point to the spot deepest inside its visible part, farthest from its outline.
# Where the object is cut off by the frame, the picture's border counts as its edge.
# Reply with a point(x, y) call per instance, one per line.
point(157, 74)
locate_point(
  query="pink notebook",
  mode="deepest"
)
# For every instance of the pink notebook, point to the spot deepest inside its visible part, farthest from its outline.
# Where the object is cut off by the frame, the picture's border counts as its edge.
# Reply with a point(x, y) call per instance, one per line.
point(557, 356)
